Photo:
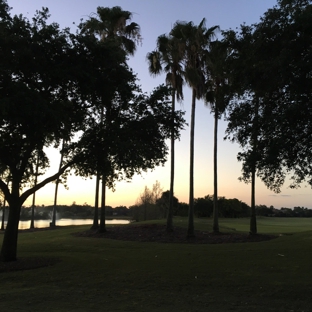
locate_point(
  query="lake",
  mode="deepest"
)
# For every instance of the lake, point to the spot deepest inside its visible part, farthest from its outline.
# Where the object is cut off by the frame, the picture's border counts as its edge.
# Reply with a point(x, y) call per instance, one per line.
point(63, 222)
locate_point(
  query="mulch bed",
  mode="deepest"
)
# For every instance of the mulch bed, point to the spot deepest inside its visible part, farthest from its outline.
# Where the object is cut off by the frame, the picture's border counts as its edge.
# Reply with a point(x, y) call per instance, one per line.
point(139, 233)
point(158, 233)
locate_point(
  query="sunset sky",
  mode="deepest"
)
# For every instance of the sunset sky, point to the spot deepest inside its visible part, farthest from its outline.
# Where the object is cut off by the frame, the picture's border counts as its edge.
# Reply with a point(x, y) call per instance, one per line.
point(156, 17)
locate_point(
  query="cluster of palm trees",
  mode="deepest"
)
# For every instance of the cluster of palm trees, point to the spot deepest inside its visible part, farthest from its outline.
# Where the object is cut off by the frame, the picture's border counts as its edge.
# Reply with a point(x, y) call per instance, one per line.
point(191, 54)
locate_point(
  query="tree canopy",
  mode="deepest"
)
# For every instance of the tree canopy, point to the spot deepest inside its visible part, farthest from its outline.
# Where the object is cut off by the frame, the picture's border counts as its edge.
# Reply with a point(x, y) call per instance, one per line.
point(271, 66)
point(53, 86)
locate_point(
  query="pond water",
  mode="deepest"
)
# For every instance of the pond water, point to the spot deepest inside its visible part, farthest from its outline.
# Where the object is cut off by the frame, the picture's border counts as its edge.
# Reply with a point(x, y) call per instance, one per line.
point(63, 222)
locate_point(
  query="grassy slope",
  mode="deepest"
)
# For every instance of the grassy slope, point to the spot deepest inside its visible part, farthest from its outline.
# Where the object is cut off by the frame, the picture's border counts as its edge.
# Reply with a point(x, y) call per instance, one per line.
point(113, 275)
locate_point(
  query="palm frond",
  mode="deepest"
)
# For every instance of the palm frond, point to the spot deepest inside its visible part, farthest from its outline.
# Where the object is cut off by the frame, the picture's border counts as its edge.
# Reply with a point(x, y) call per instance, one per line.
point(154, 63)
point(168, 54)
point(128, 45)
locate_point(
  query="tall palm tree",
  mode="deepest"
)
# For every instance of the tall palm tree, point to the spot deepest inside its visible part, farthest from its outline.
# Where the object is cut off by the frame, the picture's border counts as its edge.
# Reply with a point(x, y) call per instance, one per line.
point(217, 95)
point(168, 58)
point(194, 41)
point(111, 25)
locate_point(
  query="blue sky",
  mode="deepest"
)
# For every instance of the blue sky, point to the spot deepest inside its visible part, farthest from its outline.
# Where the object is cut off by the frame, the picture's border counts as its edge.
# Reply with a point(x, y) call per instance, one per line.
point(156, 17)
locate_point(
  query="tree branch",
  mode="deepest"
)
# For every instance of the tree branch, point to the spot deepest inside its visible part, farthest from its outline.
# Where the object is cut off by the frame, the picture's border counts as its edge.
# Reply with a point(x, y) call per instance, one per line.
point(5, 189)
point(32, 190)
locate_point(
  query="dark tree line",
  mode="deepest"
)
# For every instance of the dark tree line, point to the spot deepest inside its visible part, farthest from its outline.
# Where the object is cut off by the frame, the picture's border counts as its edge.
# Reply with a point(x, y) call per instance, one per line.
point(73, 211)
point(203, 208)
point(148, 207)
point(300, 212)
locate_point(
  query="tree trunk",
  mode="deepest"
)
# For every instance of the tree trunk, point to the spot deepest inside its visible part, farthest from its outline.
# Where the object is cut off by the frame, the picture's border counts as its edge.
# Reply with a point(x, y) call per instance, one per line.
point(190, 229)
point(253, 220)
point(9, 245)
point(95, 225)
point(102, 228)
point(171, 193)
point(53, 222)
point(215, 176)
point(32, 220)
point(3, 215)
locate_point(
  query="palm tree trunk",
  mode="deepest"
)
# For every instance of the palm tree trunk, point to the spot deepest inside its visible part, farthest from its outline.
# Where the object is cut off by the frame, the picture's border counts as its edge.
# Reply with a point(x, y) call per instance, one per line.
point(32, 218)
point(253, 220)
point(53, 223)
point(95, 225)
point(190, 229)
point(32, 221)
point(102, 228)
point(171, 194)
point(215, 176)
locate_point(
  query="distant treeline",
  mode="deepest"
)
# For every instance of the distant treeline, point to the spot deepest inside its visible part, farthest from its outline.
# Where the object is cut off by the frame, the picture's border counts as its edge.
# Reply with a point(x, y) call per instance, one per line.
point(302, 212)
point(73, 211)
point(228, 208)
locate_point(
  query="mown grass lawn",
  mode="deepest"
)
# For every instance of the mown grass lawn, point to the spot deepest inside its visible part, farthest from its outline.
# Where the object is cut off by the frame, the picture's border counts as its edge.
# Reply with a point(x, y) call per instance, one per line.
point(111, 275)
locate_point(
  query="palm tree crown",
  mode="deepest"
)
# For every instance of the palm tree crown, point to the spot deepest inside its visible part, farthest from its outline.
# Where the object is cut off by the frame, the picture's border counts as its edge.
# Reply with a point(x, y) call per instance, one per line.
point(168, 58)
point(194, 42)
point(112, 24)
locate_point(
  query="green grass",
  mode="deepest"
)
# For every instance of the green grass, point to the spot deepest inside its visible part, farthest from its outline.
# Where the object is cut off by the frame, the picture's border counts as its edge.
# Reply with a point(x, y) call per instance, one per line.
point(111, 275)
point(270, 225)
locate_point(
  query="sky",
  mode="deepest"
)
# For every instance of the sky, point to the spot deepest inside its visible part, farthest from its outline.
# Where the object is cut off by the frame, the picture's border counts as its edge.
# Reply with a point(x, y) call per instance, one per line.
point(157, 17)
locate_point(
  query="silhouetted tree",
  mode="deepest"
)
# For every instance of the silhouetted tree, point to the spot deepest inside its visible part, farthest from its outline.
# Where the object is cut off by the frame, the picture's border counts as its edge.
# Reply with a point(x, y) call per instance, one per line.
point(168, 58)
point(111, 25)
point(194, 41)
point(218, 97)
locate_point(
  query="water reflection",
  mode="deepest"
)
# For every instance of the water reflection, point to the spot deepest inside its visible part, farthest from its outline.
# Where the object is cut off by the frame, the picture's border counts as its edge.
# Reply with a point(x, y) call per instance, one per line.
point(63, 222)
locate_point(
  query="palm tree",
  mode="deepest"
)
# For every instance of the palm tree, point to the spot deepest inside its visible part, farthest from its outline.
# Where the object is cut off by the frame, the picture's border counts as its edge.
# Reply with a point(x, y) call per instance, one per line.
point(168, 58)
point(194, 41)
point(111, 25)
point(217, 95)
